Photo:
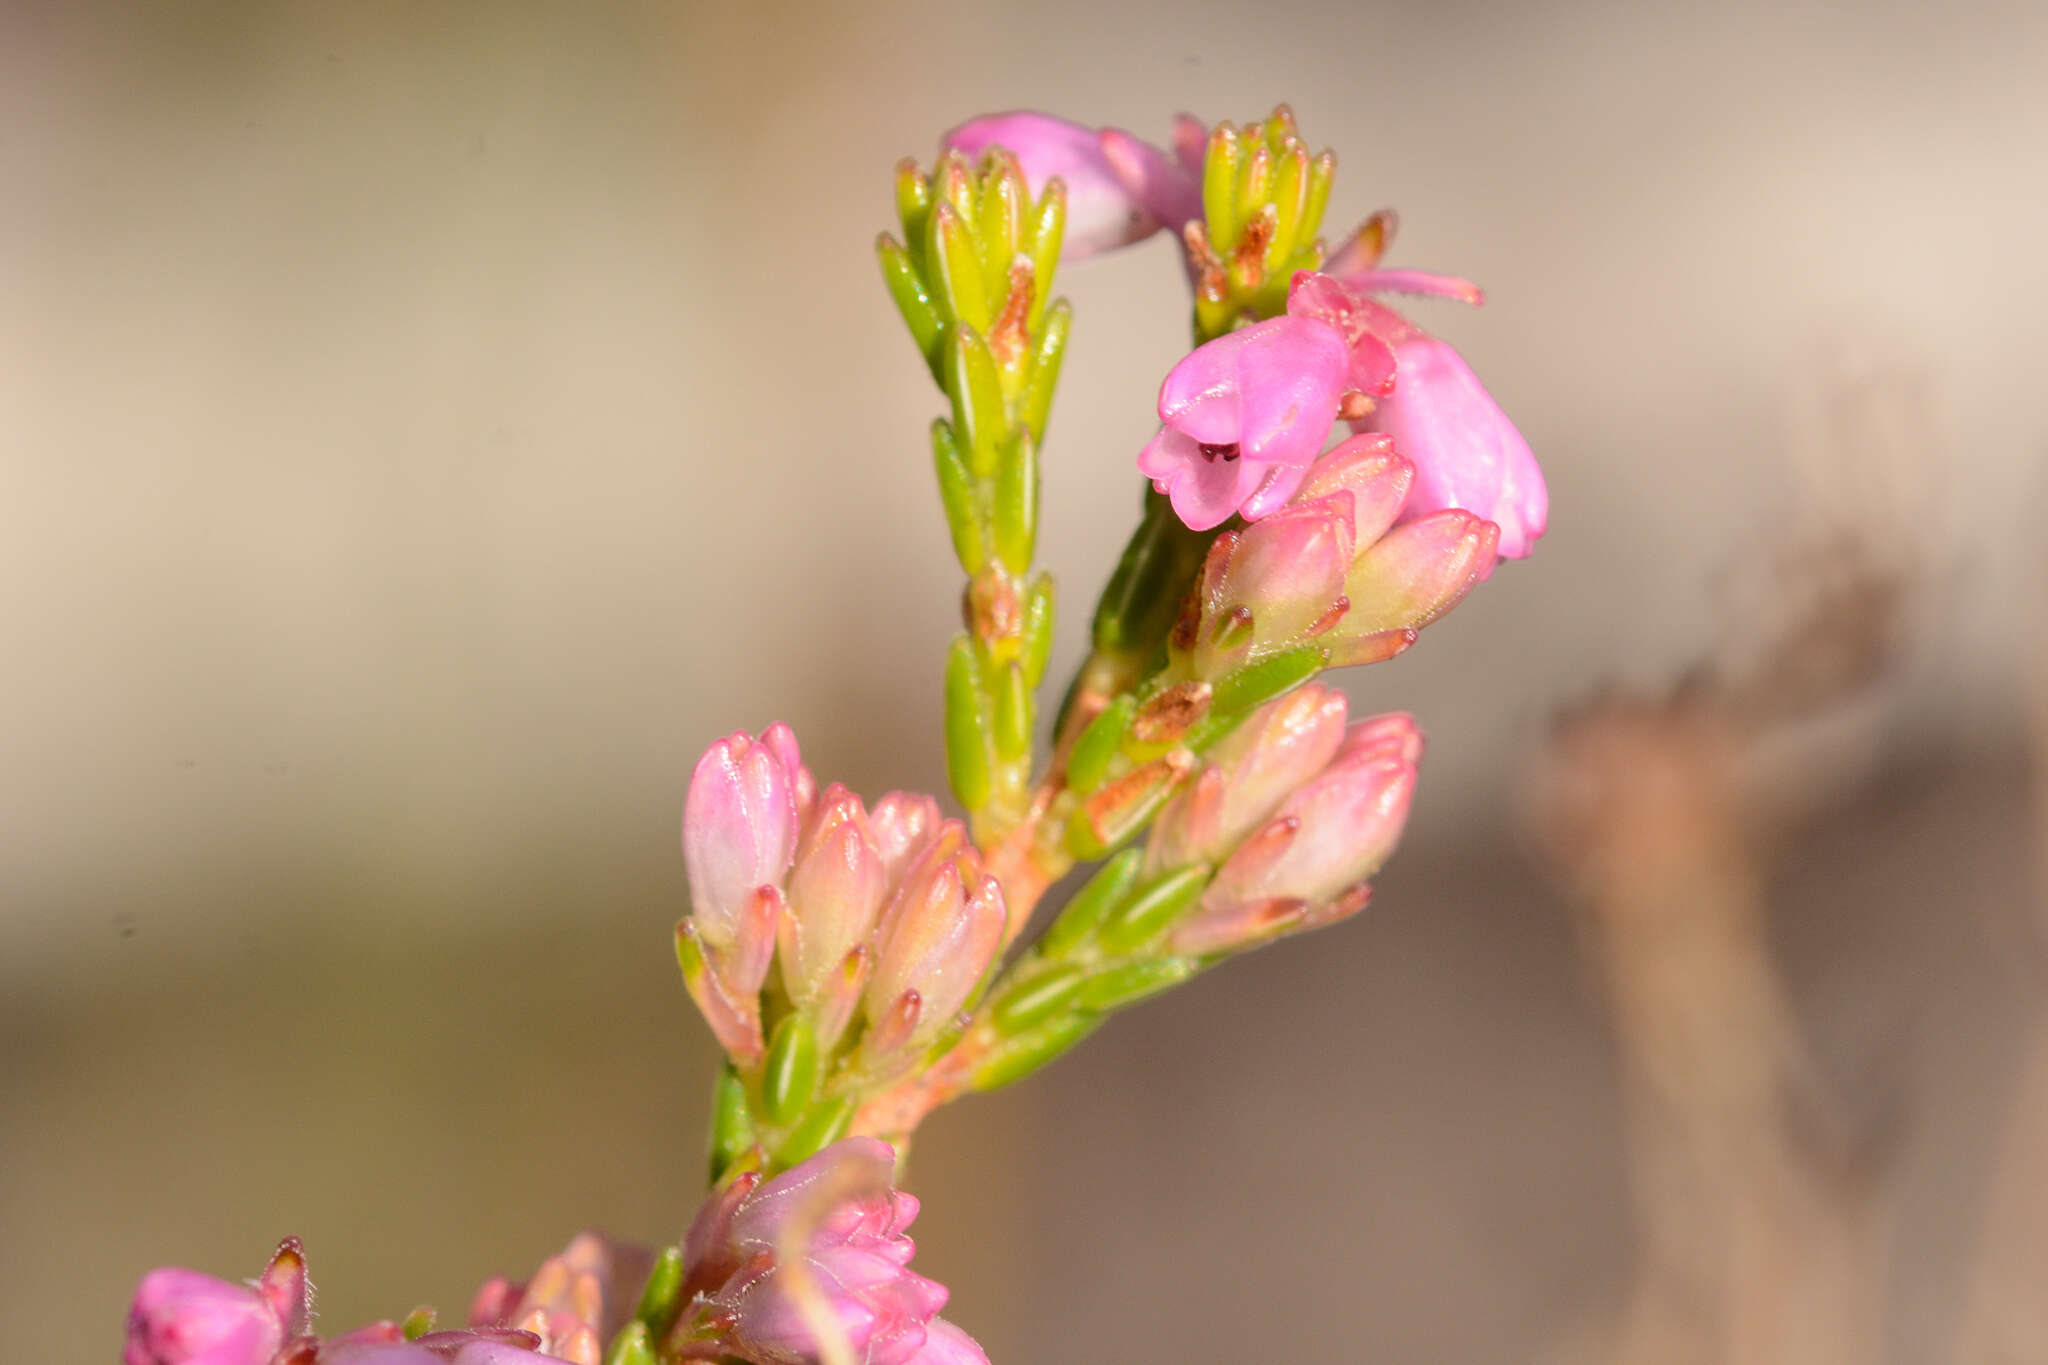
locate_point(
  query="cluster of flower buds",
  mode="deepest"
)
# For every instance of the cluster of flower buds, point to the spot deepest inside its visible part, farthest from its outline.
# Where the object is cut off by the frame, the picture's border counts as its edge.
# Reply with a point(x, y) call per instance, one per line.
point(1277, 832)
point(973, 280)
point(812, 1265)
point(882, 923)
point(1331, 577)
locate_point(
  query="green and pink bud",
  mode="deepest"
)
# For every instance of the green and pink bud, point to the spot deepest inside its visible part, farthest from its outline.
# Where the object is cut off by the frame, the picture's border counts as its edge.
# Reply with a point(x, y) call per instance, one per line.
point(1308, 865)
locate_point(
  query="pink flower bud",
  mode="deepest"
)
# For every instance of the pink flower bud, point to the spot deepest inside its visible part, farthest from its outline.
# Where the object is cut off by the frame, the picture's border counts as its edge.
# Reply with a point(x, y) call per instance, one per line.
point(1283, 745)
point(939, 934)
point(1243, 417)
point(1275, 583)
point(835, 889)
point(740, 826)
point(1467, 452)
point(181, 1317)
point(902, 824)
point(1119, 189)
point(1307, 864)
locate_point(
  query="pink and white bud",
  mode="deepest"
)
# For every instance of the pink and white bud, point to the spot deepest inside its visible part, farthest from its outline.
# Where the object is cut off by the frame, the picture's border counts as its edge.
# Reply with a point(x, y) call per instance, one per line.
point(1307, 865)
point(1284, 744)
point(740, 823)
point(1466, 451)
point(902, 824)
point(1344, 823)
point(182, 1317)
point(1275, 583)
point(836, 888)
point(1243, 416)
point(1416, 573)
point(939, 935)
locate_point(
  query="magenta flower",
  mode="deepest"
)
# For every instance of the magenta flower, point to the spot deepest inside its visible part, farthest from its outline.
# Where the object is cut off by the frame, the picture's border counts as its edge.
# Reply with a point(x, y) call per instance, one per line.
point(181, 1317)
point(820, 1247)
point(1119, 189)
point(1466, 452)
point(1242, 418)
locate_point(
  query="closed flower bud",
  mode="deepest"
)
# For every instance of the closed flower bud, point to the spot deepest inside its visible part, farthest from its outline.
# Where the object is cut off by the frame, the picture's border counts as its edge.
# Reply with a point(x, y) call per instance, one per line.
point(835, 889)
point(1283, 745)
point(902, 824)
point(939, 935)
point(181, 1317)
point(740, 824)
point(1306, 865)
point(1274, 584)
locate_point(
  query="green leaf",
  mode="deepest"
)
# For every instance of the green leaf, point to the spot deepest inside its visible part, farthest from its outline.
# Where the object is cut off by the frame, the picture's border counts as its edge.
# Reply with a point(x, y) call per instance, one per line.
point(732, 1125)
point(956, 496)
point(1219, 187)
point(953, 265)
point(920, 312)
point(967, 725)
point(1014, 713)
point(1256, 684)
point(1047, 227)
point(789, 1077)
point(658, 1298)
point(1101, 893)
point(1148, 914)
point(631, 1346)
point(1038, 621)
point(1088, 761)
point(1015, 514)
point(1044, 376)
point(1135, 981)
point(1014, 1060)
point(979, 418)
point(1034, 999)
point(824, 1125)
point(913, 206)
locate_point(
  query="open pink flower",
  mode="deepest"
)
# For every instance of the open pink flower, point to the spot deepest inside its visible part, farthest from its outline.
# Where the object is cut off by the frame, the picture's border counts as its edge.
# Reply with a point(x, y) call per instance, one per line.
point(1120, 189)
point(1466, 452)
point(841, 1219)
point(1243, 416)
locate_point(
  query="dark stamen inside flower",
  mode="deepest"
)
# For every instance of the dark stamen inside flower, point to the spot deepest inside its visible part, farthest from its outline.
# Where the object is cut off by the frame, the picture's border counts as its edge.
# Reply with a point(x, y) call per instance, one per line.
point(1225, 453)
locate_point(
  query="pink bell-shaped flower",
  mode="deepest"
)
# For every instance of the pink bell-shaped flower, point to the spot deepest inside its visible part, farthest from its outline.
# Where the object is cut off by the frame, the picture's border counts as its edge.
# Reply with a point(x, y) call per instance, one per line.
point(1243, 416)
point(1466, 452)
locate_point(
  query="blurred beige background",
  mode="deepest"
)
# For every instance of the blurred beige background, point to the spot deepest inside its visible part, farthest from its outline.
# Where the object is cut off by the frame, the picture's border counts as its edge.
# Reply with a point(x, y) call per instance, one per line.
point(423, 427)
